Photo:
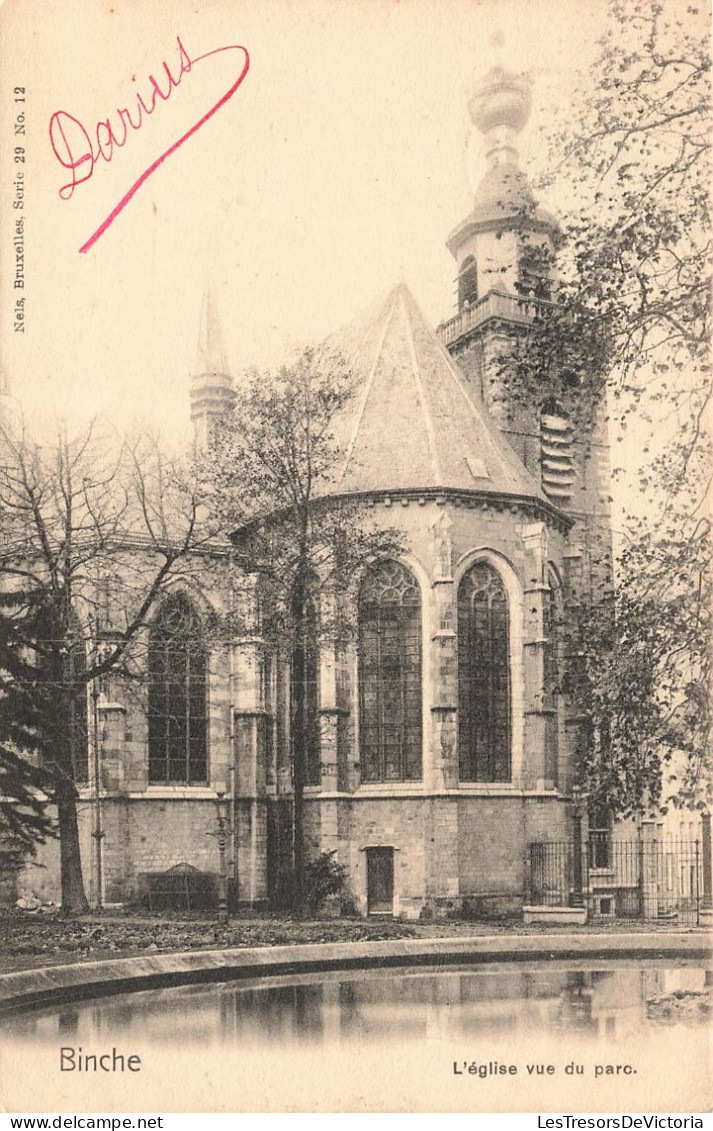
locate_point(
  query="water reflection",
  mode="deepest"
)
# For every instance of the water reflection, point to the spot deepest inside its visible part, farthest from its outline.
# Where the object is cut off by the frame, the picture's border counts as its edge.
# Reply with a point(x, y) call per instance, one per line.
point(612, 1002)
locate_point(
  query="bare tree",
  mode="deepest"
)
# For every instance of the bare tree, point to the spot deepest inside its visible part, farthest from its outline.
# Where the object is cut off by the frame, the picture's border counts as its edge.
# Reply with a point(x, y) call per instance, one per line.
point(93, 530)
point(272, 469)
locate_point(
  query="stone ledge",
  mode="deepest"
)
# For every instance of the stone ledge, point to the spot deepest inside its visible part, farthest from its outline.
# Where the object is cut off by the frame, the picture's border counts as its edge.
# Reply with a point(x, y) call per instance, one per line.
point(574, 916)
point(55, 984)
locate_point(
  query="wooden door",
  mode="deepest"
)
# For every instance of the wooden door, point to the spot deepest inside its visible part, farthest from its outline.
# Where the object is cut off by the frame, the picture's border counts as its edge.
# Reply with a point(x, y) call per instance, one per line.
point(380, 881)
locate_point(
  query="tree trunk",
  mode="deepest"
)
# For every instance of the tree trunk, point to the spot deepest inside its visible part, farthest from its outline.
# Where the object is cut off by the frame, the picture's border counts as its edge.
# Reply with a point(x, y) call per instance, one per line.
point(73, 894)
point(299, 748)
point(302, 627)
point(299, 846)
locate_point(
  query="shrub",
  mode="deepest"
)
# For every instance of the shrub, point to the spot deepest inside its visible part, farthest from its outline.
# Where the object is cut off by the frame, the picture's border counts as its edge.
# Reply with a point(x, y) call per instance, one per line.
point(323, 877)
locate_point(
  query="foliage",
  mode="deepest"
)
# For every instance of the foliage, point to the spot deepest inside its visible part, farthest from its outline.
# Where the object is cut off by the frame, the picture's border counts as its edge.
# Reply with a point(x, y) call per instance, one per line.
point(639, 669)
point(638, 247)
point(323, 877)
point(24, 821)
point(93, 530)
point(272, 471)
point(635, 268)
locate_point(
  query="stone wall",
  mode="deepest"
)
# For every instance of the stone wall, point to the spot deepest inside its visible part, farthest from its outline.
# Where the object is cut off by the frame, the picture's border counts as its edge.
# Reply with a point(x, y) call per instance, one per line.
point(452, 844)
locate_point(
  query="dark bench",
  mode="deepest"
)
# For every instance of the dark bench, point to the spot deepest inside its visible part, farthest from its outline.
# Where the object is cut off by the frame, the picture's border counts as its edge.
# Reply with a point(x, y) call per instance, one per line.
point(181, 887)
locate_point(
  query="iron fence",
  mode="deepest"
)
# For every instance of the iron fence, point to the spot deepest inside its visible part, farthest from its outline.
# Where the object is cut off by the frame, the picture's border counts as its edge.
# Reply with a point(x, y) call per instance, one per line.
point(630, 879)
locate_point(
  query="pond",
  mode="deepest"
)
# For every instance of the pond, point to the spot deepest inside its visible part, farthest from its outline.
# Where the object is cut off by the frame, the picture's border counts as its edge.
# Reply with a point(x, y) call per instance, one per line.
point(493, 1035)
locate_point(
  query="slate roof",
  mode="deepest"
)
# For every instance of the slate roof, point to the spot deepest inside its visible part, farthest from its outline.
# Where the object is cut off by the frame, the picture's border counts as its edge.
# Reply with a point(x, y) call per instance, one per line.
point(416, 423)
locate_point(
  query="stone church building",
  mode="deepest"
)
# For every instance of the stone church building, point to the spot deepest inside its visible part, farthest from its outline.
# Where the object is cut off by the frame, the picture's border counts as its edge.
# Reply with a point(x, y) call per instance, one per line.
point(443, 746)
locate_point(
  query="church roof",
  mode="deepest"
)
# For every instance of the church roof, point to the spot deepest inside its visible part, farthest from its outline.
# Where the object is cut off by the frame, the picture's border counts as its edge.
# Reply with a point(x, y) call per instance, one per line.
point(415, 423)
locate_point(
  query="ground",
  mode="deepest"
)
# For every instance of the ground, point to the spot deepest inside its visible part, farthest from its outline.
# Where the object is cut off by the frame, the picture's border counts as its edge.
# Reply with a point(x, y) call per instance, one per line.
point(681, 1005)
point(48, 938)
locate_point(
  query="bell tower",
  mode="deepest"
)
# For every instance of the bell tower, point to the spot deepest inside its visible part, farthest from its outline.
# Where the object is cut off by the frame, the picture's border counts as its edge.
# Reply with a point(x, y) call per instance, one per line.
point(504, 219)
point(504, 251)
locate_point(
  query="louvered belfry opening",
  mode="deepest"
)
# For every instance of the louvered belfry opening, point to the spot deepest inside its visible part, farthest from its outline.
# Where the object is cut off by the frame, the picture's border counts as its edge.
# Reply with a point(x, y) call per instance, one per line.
point(177, 663)
point(390, 721)
point(483, 677)
point(557, 452)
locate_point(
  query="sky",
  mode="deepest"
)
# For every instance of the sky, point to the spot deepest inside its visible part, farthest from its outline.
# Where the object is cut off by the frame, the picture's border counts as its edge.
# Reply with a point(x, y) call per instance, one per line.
point(336, 169)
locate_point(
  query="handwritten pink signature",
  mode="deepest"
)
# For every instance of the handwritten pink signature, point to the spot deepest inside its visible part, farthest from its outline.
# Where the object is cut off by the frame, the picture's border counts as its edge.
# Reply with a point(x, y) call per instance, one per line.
point(75, 149)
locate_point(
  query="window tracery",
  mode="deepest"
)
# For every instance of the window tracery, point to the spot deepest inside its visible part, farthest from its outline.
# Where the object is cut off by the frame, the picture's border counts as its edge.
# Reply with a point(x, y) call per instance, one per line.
point(177, 716)
point(390, 674)
point(484, 695)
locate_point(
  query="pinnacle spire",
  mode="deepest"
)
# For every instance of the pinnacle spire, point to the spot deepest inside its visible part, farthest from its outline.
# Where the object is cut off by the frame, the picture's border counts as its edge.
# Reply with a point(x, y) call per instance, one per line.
point(212, 393)
point(211, 357)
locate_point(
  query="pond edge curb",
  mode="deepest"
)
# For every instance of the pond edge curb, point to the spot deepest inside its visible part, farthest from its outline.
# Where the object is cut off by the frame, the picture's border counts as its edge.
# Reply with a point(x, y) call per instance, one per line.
point(50, 985)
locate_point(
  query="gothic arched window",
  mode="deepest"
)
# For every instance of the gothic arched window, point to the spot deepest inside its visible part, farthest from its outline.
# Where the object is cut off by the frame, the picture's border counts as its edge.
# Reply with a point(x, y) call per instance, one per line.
point(468, 283)
point(177, 666)
point(390, 724)
point(304, 690)
point(483, 677)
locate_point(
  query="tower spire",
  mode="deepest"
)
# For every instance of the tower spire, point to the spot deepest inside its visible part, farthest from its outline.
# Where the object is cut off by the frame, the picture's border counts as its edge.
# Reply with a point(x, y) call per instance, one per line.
point(212, 393)
point(500, 107)
point(490, 244)
point(211, 356)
